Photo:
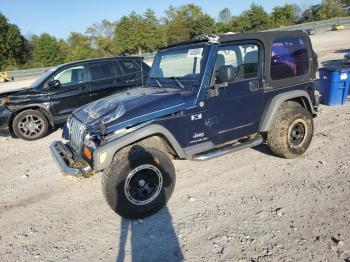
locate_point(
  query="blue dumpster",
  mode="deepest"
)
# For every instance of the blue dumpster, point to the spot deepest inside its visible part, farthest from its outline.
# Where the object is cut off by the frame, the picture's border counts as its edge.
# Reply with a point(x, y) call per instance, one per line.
point(334, 85)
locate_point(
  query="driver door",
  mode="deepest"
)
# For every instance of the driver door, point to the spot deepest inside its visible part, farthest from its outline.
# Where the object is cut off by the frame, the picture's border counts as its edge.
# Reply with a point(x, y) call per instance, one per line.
point(234, 109)
point(72, 93)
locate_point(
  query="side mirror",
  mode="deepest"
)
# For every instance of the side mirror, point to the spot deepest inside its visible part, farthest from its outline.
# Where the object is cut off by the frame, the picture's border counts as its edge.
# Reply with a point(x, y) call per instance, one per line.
point(226, 74)
point(53, 84)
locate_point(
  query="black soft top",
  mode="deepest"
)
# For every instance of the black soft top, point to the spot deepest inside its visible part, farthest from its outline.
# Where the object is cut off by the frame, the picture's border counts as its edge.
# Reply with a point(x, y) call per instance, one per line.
point(266, 41)
point(264, 37)
point(261, 36)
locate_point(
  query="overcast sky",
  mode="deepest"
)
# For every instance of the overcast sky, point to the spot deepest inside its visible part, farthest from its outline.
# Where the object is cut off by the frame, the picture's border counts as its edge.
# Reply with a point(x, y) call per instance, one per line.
point(60, 17)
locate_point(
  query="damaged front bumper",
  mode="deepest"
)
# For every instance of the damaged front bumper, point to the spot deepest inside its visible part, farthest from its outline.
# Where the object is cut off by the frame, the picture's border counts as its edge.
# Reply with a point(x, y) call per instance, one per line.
point(64, 157)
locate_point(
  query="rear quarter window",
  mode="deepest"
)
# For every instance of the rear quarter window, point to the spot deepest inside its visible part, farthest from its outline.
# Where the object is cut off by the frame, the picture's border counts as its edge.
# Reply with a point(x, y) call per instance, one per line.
point(289, 57)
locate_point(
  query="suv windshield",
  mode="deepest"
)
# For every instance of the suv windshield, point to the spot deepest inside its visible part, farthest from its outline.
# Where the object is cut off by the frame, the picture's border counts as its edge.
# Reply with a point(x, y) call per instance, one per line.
point(180, 67)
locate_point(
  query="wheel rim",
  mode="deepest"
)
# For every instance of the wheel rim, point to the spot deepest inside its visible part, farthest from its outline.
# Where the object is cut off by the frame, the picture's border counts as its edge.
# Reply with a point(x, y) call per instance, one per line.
point(31, 126)
point(297, 133)
point(143, 185)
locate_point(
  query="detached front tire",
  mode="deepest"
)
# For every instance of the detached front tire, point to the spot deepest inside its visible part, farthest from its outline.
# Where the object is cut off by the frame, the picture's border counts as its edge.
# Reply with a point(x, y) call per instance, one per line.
point(292, 131)
point(139, 182)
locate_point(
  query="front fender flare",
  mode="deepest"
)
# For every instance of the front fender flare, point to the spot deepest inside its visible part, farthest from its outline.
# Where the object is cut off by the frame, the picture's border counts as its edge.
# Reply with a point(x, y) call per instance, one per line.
point(276, 103)
point(114, 146)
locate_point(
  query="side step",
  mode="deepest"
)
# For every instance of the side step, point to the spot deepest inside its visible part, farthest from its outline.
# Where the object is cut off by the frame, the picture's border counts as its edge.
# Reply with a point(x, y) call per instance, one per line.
point(228, 149)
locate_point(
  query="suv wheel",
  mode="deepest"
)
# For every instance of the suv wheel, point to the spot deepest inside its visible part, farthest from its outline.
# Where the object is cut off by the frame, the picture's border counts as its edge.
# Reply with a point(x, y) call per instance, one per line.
point(139, 182)
point(292, 131)
point(30, 125)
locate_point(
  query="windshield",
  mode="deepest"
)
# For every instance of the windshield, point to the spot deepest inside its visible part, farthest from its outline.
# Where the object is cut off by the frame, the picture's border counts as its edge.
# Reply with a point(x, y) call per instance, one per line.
point(180, 67)
point(43, 77)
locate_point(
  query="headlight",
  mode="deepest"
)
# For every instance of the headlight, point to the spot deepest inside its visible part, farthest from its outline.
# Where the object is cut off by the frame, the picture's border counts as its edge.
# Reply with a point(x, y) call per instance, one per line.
point(87, 139)
point(92, 140)
point(4, 101)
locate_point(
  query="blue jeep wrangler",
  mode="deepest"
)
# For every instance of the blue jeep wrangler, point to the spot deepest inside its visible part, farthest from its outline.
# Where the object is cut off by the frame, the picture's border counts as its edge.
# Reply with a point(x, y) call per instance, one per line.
point(203, 98)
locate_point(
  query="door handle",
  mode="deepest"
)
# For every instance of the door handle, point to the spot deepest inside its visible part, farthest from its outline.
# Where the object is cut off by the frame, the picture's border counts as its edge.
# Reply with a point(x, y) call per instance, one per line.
point(129, 81)
point(254, 86)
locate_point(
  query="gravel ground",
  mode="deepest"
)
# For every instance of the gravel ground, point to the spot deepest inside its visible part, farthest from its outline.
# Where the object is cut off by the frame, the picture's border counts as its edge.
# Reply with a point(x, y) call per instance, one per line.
point(246, 206)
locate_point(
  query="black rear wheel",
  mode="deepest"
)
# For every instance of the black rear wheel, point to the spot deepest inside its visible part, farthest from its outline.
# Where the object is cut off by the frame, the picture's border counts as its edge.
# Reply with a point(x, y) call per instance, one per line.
point(30, 125)
point(292, 131)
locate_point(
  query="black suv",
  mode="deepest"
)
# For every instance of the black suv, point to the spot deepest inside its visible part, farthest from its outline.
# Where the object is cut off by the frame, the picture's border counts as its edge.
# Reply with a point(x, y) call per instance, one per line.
point(203, 99)
point(28, 113)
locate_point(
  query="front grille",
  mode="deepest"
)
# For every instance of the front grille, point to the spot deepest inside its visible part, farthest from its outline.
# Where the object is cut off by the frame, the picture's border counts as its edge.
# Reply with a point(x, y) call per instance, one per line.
point(76, 133)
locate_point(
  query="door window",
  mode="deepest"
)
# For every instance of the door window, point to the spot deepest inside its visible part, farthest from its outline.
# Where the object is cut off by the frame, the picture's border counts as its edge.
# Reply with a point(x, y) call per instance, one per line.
point(102, 70)
point(289, 57)
point(244, 59)
point(130, 67)
point(71, 76)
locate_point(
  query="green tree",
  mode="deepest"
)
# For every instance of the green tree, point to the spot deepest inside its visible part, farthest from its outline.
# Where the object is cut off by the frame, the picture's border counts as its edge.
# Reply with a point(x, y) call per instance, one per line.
point(284, 15)
point(103, 38)
point(79, 47)
point(153, 32)
point(46, 51)
point(14, 49)
point(254, 19)
point(329, 9)
point(221, 28)
point(225, 16)
point(297, 12)
point(308, 15)
point(181, 23)
point(139, 34)
point(241, 23)
point(258, 18)
point(203, 25)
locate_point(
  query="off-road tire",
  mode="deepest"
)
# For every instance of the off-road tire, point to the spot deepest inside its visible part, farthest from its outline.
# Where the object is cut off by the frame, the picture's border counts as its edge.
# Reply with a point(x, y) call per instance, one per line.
point(289, 116)
point(37, 117)
point(125, 162)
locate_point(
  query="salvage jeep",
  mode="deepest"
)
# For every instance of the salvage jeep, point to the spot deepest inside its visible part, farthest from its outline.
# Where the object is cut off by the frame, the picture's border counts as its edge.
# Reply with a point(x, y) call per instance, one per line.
point(203, 98)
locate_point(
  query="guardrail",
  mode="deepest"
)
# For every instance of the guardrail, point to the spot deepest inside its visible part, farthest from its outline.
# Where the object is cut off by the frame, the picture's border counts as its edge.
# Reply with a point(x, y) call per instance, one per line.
point(29, 73)
point(324, 24)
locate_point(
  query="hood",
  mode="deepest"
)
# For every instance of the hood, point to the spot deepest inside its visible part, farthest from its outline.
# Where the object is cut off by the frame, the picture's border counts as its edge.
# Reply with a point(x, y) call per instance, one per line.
point(20, 94)
point(131, 108)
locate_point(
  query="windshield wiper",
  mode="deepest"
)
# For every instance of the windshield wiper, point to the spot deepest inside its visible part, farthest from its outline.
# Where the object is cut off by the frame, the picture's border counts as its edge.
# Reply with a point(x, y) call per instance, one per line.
point(157, 81)
point(178, 82)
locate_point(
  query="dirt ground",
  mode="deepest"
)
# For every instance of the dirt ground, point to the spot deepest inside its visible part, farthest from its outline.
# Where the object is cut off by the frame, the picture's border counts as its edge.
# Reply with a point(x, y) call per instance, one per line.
point(246, 206)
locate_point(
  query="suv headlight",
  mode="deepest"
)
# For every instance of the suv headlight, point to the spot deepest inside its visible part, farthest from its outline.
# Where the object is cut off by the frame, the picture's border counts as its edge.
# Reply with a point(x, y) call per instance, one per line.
point(4, 100)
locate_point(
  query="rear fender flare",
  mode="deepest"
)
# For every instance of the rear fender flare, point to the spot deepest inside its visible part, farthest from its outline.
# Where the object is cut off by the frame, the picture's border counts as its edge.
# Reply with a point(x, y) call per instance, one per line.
point(276, 102)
